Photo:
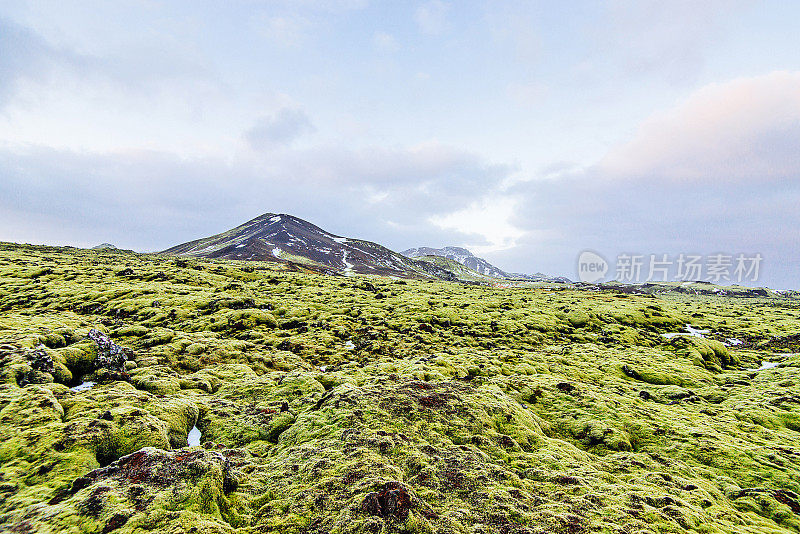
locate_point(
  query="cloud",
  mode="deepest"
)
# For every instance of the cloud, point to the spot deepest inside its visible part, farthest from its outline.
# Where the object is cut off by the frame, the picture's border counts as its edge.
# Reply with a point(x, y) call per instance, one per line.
point(292, 23)
point(666, 39)
point(409, 182)
point(719, 172)
point(519, 27)
point(279, 129)
point(150, 200)
point(26, 56)
point(23, 55)
point(332, 6)
point(86, 197)
point(385, 42)
point(431, 17)
point(489, 219)
point(288, 30)
point(743, 130)
point(527, 95)
point(59, 97)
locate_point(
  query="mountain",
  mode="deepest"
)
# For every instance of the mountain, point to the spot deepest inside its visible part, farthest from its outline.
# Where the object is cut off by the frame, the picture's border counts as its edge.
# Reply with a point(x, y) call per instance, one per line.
point(477, 265)
point(462, 256)
point(285, 238)
point(104, 246)
point(461, 272)
point(540, 277)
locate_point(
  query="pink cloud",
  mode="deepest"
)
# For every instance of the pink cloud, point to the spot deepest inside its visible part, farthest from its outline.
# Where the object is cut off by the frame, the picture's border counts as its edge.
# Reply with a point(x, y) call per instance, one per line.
point(745, 129)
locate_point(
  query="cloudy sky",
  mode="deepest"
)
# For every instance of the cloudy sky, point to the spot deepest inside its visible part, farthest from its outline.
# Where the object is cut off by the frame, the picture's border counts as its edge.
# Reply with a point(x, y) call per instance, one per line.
point(527, 131)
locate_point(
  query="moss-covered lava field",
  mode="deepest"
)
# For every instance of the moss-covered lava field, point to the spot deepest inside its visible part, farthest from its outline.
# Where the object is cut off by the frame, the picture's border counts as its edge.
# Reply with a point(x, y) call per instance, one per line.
point(330, 404)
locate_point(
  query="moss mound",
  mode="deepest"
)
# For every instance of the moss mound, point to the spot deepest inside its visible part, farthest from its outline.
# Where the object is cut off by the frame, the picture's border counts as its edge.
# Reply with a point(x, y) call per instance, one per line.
point(321, 407)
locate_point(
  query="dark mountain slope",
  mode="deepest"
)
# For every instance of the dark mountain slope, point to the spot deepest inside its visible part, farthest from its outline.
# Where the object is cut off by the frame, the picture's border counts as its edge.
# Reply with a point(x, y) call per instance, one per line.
point(462, 256)
point(281, 237)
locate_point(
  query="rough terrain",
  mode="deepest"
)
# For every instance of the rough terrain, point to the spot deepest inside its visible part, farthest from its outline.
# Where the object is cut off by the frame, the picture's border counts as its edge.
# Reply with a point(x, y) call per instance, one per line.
point(329, 404)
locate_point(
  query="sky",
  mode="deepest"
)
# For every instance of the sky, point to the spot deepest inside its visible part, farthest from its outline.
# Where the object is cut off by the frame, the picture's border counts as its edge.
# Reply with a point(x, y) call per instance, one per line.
point(526, 131)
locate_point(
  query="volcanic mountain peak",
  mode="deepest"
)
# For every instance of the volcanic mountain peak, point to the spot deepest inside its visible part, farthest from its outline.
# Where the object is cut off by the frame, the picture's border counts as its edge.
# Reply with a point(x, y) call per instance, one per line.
point(283, 237)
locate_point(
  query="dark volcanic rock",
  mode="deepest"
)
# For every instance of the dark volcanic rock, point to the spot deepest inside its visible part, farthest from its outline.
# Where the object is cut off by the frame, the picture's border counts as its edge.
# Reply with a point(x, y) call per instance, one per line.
point(110, 356)
point(39, 360)
point(41, 369)
point(392, 500)
point(156, 467)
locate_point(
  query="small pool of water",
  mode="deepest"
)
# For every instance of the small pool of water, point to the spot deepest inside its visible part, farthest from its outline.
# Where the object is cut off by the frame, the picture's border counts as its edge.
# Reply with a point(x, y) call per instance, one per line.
point(349, 345)
point(83, 386)
point(690, 331)
point(766, 365)
point(194, 437)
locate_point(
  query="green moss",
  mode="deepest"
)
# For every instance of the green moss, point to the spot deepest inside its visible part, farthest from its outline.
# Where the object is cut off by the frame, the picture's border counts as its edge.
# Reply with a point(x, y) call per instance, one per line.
point(78, 358)
point(533, 409)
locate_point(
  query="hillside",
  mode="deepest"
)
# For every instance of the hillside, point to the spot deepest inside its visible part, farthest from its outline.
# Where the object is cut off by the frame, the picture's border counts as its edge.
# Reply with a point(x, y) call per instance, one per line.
point(461, 272)
point(460, 255)
point(281, 238)
point(147, 393)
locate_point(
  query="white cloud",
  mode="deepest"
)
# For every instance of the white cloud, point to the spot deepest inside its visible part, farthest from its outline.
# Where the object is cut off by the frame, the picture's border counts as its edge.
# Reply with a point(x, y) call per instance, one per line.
point(665, 39)
point(518, 27)
point(434, 165)
point(527, 95)
point(288, 30)
point(385, 42)
point(150, 200)
point(292, 23)
point(23, 55)
point(719, 172)
point(431, 17)
point(328, 5)
point(745, 129)
point(279, 129)
point(489, 218)
point(57, 97)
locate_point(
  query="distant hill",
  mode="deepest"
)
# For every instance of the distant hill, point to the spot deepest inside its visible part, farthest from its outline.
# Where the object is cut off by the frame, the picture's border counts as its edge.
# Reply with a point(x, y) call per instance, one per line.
point(104, 246)
point(462, 272)
point(478, 265)
point(282, 237)
point(540, 277)
point(462, 256)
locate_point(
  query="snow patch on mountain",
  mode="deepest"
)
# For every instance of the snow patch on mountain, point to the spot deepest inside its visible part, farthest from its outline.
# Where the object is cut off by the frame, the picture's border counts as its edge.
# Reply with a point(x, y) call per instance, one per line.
point(462, 256)
point(282, 237)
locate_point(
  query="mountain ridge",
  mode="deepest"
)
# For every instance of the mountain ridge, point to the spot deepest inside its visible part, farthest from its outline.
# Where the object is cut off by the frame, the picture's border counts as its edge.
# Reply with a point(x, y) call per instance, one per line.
point(285, 238)
point(480, 265)
point(280, 237)
point(462, 256)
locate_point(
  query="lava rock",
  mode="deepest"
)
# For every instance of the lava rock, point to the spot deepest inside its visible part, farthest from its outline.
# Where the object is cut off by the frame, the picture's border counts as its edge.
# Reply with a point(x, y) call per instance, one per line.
point(392, 501)
point(110, 356)
point(39, 360)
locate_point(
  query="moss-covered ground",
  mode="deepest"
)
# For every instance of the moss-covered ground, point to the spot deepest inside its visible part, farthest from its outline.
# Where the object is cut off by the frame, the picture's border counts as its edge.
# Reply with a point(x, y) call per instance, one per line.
point(352, 404)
